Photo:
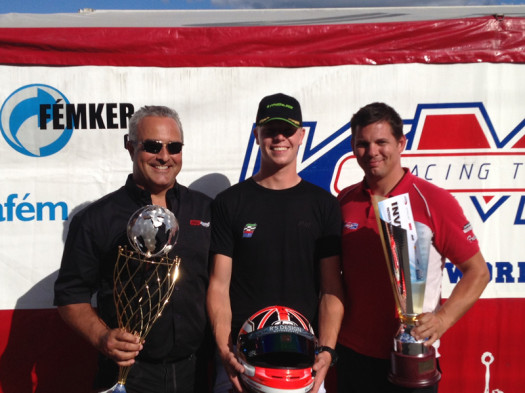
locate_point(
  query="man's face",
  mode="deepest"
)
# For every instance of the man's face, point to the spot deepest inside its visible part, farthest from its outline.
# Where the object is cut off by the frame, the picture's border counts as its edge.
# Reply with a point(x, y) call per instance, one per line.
point(377, 152)
point(279, 143)
point(156, 172)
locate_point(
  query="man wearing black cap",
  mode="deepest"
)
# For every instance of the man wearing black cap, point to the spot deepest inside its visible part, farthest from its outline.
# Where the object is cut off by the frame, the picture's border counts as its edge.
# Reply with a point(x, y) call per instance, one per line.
point(275, 241)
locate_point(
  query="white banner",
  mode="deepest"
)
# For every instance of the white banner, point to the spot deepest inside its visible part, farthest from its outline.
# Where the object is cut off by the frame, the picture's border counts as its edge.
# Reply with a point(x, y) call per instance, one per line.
point(49, 167)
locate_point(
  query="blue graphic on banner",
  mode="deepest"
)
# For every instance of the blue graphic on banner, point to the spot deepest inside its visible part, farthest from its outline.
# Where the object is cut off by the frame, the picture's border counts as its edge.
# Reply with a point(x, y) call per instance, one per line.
point(485, 215)
point(20, 121)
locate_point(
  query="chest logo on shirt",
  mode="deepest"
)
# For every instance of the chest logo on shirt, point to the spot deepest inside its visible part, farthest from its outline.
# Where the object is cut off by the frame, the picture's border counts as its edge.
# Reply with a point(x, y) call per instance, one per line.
point(248, 230)
point(197, 223)
point(351, 225)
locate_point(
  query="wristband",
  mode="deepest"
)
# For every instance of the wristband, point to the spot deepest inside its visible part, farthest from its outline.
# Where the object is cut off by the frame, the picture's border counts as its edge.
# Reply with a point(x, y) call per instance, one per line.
point(331, 351)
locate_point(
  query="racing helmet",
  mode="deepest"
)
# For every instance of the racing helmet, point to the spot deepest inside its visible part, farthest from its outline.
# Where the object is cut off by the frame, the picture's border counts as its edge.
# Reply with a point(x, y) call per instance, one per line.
point(276, 346)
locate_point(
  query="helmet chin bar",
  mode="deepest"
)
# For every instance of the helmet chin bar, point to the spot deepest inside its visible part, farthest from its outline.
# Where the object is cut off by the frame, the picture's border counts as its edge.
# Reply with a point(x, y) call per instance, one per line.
point(248, 370)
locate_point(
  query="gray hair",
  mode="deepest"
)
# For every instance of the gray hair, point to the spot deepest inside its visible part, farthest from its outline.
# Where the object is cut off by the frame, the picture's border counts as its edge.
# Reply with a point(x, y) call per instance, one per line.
point(152, 110)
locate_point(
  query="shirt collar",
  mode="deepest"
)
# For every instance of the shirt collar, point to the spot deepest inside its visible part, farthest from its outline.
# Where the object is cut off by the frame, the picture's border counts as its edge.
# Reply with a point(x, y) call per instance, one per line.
point(144, 196)
point(400, 188)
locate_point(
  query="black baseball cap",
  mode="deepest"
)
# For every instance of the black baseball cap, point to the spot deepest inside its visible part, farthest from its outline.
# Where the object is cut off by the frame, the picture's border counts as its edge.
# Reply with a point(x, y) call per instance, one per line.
point(279, 107)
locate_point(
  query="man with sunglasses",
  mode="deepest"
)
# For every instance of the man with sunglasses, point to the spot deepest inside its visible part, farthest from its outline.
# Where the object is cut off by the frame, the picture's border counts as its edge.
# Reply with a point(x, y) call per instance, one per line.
point(167, 361)
point(276, 241)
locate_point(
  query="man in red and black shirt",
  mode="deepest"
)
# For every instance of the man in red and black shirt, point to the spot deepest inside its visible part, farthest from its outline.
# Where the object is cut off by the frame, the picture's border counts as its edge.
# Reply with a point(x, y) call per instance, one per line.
point(370, 320)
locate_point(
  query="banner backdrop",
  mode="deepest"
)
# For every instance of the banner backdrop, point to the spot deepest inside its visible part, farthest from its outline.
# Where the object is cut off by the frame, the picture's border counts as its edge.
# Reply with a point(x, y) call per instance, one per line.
point(62, 148)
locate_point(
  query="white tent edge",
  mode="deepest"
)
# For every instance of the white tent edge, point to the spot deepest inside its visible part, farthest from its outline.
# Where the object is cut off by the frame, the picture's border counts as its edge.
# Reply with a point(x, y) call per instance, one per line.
point(249, 17)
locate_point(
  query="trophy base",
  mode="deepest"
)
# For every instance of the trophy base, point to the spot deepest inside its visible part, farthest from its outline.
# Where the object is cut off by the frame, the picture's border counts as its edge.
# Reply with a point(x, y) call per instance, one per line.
point(119, 388)
point(414, 371)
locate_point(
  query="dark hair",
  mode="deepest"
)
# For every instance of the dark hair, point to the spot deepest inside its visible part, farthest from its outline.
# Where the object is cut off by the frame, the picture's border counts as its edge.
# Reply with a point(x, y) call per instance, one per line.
point(155, 111)
point(375, 112)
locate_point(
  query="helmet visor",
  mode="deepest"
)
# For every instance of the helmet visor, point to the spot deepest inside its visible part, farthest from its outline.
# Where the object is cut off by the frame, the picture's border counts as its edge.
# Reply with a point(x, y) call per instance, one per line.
point(281, 346)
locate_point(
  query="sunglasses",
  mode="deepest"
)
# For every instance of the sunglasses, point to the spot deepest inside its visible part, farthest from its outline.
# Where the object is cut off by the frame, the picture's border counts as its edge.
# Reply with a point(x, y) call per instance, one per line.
point(154, 147)
point(272, 132)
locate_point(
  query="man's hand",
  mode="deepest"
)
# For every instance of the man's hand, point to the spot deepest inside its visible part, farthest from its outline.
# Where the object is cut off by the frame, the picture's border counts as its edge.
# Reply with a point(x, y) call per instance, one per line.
point(431, 326)
point(233, 368)
point(320, 368)
point(116, 344)
point(121, 346)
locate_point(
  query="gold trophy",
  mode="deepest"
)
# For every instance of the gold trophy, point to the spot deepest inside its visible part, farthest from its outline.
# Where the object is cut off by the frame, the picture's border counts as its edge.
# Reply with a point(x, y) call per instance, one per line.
point(145, 277)
point(406, 245)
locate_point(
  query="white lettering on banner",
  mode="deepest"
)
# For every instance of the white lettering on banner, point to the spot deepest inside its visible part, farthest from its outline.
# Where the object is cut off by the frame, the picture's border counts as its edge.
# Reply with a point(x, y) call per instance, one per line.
point(27, 211)
point(487, 359)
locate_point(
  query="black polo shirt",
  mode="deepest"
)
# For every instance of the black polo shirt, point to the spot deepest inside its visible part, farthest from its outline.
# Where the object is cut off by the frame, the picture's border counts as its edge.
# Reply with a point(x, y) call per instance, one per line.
point(91, 251)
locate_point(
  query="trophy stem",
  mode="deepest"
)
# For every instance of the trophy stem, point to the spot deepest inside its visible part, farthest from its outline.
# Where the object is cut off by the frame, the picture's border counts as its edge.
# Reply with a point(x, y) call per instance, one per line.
point(408, 319)
point(123, 374)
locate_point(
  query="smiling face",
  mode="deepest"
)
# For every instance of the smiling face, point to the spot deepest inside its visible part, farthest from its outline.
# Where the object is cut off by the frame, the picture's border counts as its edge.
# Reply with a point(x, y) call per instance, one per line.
point(156, 172)
point(279, 142)
point(378, 153)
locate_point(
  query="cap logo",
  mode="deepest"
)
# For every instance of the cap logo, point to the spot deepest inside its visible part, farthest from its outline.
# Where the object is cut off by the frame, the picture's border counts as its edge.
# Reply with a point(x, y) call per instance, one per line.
point(279, 104)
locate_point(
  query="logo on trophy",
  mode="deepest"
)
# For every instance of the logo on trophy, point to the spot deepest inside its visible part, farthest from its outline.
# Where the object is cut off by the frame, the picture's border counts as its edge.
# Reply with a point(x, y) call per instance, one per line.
point(144, 278)
point(407, 246)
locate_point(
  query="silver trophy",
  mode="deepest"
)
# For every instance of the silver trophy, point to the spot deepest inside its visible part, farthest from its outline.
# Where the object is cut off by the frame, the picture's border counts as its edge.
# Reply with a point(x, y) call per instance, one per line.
point(144, 278)
point(407, 245)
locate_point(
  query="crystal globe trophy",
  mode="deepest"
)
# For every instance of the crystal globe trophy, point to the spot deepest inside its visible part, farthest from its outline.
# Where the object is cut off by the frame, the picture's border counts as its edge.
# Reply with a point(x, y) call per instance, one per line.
point(144, 278)
point(406, 245)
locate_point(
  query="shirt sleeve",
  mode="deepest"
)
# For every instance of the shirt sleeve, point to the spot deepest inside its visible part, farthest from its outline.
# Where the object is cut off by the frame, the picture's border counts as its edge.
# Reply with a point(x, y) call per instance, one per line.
point(78, 275)
point(221, 230)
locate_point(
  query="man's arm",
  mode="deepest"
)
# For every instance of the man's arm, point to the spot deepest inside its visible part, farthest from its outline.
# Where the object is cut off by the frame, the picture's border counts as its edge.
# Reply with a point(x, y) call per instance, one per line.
point(331, 311)
point(219, 311)
point(467, 291)
point(116, 344)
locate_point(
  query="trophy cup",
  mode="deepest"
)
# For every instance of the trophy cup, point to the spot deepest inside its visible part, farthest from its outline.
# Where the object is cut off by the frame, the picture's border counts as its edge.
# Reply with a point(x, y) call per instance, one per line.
point(406, 245)
point(144, 278)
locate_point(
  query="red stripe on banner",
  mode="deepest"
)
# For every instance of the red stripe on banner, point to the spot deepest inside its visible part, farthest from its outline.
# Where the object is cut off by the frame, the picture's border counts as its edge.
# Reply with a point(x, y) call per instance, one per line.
point(484, 39)
point(39, 353)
